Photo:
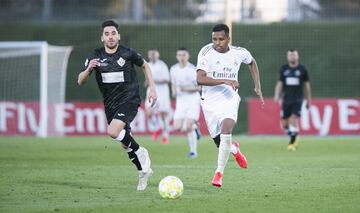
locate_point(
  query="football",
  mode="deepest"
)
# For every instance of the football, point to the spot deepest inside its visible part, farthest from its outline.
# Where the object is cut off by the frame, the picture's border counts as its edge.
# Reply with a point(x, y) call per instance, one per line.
point(171, 187)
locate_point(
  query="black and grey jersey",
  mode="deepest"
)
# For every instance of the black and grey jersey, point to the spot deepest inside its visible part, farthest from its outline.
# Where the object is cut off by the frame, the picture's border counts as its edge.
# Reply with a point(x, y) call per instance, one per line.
point(116, 76)
point(293, 80)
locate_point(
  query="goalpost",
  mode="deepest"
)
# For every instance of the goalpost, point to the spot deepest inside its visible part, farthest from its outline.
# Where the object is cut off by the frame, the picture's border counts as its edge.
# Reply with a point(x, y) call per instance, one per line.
point(228, 16)
point(33, 74)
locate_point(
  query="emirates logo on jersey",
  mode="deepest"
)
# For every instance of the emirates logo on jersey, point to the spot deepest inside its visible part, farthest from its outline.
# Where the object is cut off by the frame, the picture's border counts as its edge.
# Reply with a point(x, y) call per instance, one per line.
point(121, 61)
point(224, 75)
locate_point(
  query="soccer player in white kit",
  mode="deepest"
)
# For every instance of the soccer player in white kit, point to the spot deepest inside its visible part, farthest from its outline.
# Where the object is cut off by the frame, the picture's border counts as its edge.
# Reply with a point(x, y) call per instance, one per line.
point(186, 92)
point(159, 114)
point(217, 71)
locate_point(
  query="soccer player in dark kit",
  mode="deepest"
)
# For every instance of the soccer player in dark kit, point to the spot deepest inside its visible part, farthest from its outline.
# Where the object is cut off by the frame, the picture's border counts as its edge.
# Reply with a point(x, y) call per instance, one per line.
point(292, 86)
point(113, 66)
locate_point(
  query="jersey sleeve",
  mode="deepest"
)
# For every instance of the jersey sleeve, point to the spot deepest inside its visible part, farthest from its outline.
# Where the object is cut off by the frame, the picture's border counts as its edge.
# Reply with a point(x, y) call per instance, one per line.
point(91, 56)
point(281, 76)
point(203, 62)
point(136, 58)
point(305, 77)
point(166, 72)
point(172, 75)
point(246, 56)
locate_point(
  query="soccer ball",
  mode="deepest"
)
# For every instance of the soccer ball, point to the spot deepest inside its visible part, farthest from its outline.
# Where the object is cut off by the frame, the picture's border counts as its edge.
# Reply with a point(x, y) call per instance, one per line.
point(171, 187)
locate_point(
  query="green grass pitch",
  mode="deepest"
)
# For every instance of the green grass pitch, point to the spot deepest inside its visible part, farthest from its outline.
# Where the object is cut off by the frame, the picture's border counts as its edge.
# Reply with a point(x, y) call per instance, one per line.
point(93, 174)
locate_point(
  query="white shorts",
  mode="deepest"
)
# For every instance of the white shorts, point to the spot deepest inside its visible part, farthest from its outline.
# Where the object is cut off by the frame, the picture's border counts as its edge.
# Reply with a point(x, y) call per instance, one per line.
point(163, 101)
point(187, 109)
point(216, 112)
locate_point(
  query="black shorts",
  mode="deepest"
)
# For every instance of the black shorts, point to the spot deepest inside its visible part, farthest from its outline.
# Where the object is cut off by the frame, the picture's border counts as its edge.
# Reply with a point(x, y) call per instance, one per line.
point(291, 108)
point(125, 112)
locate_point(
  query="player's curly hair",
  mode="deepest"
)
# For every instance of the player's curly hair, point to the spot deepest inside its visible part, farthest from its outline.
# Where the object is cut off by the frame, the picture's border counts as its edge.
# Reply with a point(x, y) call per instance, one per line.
point(221, 27)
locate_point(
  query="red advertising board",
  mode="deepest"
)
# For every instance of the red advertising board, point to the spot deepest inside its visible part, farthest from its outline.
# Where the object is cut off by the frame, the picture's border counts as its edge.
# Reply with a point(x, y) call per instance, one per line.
point(325, 117)
point(72, 118)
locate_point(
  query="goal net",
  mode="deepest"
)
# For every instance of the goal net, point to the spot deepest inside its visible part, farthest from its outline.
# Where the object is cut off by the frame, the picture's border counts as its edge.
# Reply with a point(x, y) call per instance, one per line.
point(32, 76)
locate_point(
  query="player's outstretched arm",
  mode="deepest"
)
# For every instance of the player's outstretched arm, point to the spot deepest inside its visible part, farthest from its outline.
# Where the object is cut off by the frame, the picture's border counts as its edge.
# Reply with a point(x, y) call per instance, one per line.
point(202, 79)
point(84, 75)
point(151, 84)
point(256, 78)
point(307, 91)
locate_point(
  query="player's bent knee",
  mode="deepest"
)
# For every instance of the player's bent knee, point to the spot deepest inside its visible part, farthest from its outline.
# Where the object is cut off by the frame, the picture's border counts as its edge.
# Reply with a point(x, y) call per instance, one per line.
point(285, 123)
point(178, 124)
point(189, 127)
point(177, 127)
point(188, 122)
point(226, 131)
point(113, 133)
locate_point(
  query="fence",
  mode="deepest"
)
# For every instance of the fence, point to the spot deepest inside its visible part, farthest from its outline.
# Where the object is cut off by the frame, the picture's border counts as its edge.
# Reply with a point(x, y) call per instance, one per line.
point(144, 11)
point(326, 33)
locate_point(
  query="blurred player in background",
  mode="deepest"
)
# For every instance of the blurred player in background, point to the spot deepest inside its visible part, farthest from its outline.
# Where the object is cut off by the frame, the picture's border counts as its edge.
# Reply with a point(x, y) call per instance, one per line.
point(217, 72)
point(113, 65)
point(186, 92)
point(289, 93)
point(159, 114)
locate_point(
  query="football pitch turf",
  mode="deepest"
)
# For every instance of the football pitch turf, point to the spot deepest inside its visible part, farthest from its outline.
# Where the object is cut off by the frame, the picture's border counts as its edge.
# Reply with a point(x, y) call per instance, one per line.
point(93, 174)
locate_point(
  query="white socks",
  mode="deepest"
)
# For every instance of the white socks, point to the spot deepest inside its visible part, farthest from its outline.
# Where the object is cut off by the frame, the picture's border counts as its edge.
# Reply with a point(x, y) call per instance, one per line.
point(154, 122)
point(233, 149)
point(121, 135)
point(224, 152)
point(192, 141)
point(164, 125)
point(293, 129)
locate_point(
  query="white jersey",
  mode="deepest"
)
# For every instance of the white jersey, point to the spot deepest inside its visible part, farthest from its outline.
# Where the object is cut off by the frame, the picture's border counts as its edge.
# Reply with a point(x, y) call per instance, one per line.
point(187, 103)
point(184, 77)
point(221, 101)
point(221, 66)
point(160, 72)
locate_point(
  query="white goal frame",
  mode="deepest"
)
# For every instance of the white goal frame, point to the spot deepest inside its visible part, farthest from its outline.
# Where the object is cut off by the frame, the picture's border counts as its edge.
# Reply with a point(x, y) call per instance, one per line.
point(43, 101)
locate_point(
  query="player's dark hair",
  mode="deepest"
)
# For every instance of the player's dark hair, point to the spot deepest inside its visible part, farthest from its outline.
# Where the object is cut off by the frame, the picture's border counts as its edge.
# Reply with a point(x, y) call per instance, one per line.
point(292, 50)
point(221, 27)
point(182, 49)
point(109, 23)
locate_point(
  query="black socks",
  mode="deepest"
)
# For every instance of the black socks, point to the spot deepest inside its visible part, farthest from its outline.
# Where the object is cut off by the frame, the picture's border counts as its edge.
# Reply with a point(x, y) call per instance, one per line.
point(129, 142)
point(292, 136)
point(131, 146)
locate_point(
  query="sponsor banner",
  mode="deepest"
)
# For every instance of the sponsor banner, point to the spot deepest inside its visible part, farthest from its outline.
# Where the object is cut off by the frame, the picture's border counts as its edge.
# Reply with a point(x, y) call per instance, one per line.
point(72, 118)
point(325, 117)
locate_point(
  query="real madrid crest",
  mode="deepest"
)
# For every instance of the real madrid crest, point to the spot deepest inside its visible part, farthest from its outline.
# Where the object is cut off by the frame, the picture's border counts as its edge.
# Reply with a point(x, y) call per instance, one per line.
point(121, 61)
point(236, 63)
point(297, 73)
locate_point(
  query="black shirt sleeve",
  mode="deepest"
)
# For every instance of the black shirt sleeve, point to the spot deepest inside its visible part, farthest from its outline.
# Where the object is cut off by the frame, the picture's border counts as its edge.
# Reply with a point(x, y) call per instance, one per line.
point(305, 77)
point(89, 58)
point(136, 58)
point(281, 76)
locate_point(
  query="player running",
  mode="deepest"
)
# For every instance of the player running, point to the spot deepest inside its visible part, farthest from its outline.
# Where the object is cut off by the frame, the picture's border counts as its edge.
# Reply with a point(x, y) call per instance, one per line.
point(159, 114)
point(186, 92)
point(289, 93)
point(217, 70)
point(113, 65)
